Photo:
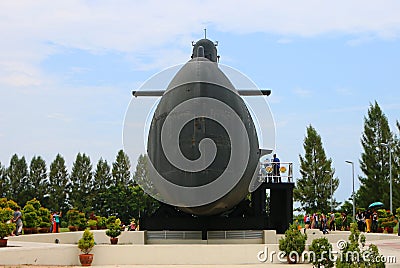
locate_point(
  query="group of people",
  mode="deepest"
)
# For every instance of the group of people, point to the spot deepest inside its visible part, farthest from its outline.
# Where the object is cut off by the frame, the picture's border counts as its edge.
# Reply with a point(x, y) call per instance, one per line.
point(322, 222)
point(17, 219)
point(55, 222)
point(367, 221)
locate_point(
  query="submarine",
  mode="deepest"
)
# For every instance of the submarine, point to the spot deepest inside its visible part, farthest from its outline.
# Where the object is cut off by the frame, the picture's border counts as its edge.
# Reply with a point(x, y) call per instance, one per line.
point(202, 148)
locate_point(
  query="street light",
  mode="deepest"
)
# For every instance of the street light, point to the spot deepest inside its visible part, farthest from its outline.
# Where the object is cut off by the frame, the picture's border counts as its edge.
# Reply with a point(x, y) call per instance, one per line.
point(387, 145)
point(353, 197)
point(328, 172)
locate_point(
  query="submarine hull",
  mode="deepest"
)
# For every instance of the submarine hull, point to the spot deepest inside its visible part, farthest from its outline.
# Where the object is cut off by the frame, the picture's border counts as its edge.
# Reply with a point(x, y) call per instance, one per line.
point(203, 80)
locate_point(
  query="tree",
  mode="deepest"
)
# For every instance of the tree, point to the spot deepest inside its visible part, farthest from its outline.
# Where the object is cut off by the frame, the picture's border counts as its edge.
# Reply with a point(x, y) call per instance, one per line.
point(313, 189)
point(118, 198)
point(4, 182)
point(396, 167)
point(121, 169)
point(81, 183)
point(118, 202)
point(145, 204)
point(374, 161)
point(58, 185)
point(17, 173)
point(102, 182)
point(38, 180)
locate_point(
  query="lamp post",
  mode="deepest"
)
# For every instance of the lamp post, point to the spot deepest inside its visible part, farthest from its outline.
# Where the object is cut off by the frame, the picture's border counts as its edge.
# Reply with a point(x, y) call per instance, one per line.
point(328, 172)
point(387, 145)
point(331, 196)
point(353, 197)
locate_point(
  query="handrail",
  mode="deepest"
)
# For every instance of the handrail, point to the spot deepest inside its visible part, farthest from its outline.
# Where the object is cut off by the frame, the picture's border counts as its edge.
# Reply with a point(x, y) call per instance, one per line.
point(276, 172)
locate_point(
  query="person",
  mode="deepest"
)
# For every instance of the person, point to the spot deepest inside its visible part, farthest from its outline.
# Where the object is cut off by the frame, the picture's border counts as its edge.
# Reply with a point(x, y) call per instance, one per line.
point(316, 221)
point(17, 218)
point(52, 222)
point(276, 169)
point(363, 221)
point(56, 222)
point(324, 224)
point(344, 221)
point(132, 226)
point(368, 220)
point(332, 222)
point(360, 221)
point(374, 222)
point(307, 222)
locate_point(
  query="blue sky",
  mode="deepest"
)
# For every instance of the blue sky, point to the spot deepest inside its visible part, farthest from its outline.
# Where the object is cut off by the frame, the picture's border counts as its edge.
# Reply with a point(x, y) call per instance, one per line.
point(67, 69)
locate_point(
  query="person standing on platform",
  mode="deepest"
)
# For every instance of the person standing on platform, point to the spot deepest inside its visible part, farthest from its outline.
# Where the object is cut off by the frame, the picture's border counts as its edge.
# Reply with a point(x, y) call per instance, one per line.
point(276, 163)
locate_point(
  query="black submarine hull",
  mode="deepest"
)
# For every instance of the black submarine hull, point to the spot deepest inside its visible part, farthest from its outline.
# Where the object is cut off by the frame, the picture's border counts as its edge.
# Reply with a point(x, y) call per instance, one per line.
point(201, 79)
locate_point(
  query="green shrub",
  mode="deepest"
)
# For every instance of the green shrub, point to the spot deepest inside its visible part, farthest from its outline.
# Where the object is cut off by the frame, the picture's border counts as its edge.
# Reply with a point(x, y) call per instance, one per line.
point(294, 241)
point(91, 223)
point(35, 203)
point(73, 217)
point(6, 226)
point(321, 247)
point(101, 222)
point(388, 221)
point(356, 247)
point(30, 216)
point(3, 203)
point(33, 214)
point(44, 215)
point(6, 229)
point(44, 224)
point(64, 224)
point(114, 228)
point(338, 221)
point(82, 221)
point(115, 231)
point(110, 220)
point(382, 213)
point(6, 214)
point(397, 212)
point(86, 243)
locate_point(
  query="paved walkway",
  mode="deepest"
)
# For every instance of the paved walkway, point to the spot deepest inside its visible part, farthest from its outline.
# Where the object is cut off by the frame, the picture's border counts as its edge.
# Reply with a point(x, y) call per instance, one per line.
point(389, 247)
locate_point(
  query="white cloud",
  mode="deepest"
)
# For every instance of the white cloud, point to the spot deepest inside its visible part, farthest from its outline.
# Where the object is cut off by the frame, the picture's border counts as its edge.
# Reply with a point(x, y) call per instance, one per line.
point(59, 116)
point(284, 41)
point(34, 30)
point(302, 92)
point(344, 91)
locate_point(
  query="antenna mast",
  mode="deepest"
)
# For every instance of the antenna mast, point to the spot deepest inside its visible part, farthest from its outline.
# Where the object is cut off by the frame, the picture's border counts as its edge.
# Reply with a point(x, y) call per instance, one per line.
point(205, 33)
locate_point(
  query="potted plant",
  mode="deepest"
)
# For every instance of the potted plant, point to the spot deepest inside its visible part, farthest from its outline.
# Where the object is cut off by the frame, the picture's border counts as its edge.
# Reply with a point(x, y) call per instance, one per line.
point(86, 244)
point(389, 223)
point(30, 219)
point(82, 221)
point(73, 220)
point(114, 230)
point(101, 223)
point(92, 224)
point(45, 223)
point(6, 226)
point(293, 244)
